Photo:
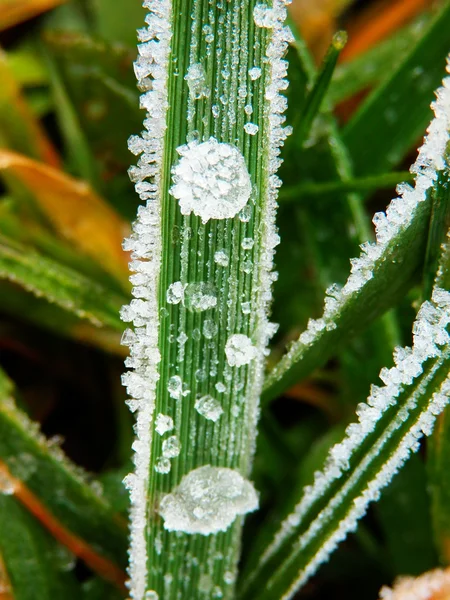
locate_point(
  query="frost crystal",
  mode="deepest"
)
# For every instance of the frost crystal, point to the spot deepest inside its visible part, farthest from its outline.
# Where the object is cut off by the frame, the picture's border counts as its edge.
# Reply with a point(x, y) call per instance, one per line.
point(251, 128)
point(175, 293)
point(209, 407)
point(163, 466)
point(239, 350)
point(389, 227)
point(151, 595)
point(200, 296)
point(175, 387)
point(171, 447)
point(210, 329)
point(221, 258)
point(248, 243)
point(164, 423)
point(430, 333)
point(264, 16)
point(211, 180)
point(255, 73)
point(432, 585)
point(208, 500)
point(196, 80)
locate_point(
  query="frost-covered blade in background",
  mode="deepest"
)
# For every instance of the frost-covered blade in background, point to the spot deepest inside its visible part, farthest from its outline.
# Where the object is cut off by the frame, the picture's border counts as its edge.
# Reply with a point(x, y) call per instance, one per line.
point(395, 416)
point(202, 252)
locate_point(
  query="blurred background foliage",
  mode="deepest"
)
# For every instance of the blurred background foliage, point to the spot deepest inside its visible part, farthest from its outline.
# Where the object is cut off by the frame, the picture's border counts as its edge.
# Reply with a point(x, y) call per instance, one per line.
point(68, 103)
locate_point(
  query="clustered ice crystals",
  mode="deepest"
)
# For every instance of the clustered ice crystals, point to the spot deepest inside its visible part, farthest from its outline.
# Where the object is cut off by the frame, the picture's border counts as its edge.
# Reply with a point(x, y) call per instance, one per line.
point(211, 180)
point(398, 217)
point(430, 335)
point(151, 70)
point(207, 500)
point(434, 584)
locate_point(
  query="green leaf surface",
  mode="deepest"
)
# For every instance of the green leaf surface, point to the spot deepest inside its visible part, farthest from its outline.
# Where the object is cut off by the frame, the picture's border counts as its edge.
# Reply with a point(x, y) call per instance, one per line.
point(375, 65)
point(372, 452)
point(36, 566)
point(394, 116)
point(60, 285)
point(63, 489)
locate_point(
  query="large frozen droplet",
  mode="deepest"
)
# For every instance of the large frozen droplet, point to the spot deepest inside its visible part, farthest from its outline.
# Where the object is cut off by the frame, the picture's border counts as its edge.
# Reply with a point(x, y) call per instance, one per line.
point(211, 180)
point(208, 500)
point(221, 258)
point(175, 387)
point(171, 447)
point(164, 423)
point(251, 128)
point(196, 80)
point(200, 296)
point(163, 466)
point(210, 329)
point(239, 350)
point(151, 595)
point(255, 73)
point(208, 407)
point(175, 293)
point(7, 484)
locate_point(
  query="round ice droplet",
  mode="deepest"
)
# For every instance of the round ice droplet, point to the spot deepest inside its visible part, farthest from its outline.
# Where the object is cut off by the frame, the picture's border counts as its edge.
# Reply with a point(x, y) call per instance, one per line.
point(221, 258)
point(196, 80)
point(207, 500)
point(255, 73)
point(211, 180)
point(171, 447)
point(163, 466)
point(208, 407)
point(210, 329)
point(239, 350)
point(200, 296)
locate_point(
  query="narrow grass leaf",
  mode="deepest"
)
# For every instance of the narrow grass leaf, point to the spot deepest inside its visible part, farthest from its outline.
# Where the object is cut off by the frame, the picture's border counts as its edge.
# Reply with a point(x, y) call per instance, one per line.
point(56, 492)
point(390, 426)
point(60, 285)
point(401, 102)
point(76, 212)
point(202, 260)
point(384, 270)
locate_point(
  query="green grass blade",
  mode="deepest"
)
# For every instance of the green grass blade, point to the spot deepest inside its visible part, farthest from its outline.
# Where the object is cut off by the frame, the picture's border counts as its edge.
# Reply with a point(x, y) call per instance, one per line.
point(34, 565)
point(59, 285)
point(390, 425)
point(59, 486)
point(401, 102)
point(384, 270)
point(219, 72)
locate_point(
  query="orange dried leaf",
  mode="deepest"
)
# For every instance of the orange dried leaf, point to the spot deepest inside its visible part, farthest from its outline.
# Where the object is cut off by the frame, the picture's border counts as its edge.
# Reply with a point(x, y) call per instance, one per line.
point(19, 128)
point(74, 209)
point(13, 12)
point(5, 586)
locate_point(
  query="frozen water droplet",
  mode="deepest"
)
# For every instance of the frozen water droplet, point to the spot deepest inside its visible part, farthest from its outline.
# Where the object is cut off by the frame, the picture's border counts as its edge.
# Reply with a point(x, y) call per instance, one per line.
point(164, 423)
point(210, 329)
point(163, 466)
point(220, 387)
point(200, 296)
point(251, 128)
point(239, 350)
point(171, 447)
point(151, 595)
point(207, 500)
point(175, 387)
point(246, 308)
point(248, 243)
point(246, 214)
point(196, 80)
point(248, 109)
point(255, 73)
point(209, 407)
point(211, 180)
point(228, 577)
point(175, 293)
point(221, 258)
point(215, 111)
